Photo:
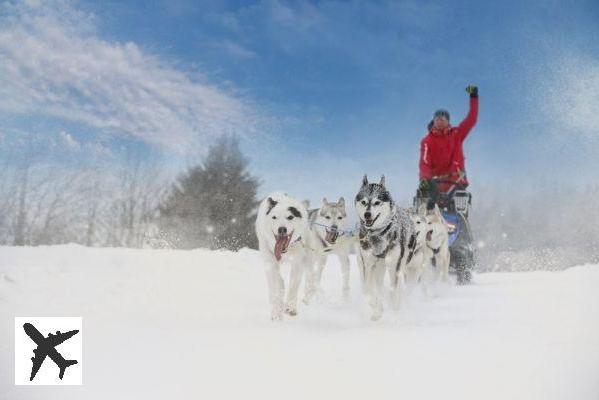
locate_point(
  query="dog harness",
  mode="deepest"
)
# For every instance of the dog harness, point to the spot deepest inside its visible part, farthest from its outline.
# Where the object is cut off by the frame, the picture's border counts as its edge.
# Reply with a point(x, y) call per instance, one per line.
point(412, 245)
point(435, 252)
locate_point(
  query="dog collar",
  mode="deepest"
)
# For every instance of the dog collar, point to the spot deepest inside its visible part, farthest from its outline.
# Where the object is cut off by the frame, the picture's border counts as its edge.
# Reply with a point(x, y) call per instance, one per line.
point(386, 229)
point(435, 251)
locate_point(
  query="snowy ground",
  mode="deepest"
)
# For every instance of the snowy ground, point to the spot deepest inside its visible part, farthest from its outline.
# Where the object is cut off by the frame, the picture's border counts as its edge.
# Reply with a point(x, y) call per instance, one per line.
point(182, 325)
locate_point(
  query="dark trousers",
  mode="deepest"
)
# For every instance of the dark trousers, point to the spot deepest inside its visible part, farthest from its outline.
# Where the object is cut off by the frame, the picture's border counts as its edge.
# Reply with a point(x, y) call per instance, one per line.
point(433, 193)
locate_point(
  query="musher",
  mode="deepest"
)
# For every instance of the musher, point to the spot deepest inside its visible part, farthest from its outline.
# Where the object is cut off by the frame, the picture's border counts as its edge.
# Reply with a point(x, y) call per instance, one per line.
point(441, 154)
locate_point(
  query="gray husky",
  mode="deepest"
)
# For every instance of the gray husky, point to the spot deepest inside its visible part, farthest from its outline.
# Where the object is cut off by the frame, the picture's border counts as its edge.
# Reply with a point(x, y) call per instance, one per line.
point(387, 241)
point(327, 225)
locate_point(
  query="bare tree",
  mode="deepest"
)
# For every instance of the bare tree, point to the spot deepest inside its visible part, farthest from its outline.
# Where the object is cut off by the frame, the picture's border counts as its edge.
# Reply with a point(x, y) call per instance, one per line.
point(134, 206)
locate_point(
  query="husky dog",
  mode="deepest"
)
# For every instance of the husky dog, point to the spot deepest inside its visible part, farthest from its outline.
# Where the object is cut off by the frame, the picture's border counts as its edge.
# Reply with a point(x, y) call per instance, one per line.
point(415, 261)
point(282, 230)
point(326, 225)
point(437, 242)
point(386, 233)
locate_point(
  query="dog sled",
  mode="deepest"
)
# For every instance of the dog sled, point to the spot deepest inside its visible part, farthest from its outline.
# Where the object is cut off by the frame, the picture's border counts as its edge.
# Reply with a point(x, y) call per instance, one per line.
point(454, 205)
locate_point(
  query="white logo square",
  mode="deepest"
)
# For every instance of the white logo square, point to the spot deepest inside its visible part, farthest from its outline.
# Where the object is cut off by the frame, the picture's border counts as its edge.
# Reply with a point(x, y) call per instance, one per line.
point(48, 351)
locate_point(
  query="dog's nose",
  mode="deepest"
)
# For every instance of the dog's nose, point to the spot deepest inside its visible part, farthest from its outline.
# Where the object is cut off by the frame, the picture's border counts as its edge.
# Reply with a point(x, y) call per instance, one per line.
point(367, 214)
point(334, 227)
point(282, 230)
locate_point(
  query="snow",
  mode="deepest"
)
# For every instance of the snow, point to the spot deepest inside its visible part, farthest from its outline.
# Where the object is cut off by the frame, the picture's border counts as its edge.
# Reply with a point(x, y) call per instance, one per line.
point(195, 324)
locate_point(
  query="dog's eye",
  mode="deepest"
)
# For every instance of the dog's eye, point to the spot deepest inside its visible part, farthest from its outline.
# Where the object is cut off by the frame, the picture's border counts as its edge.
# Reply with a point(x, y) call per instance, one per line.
point(430, 223)
point(274, 217)
point(376, 203)
point(363, 202)
point(328, 217)
point(290, 217)
point(418, 222)
point(339, 217)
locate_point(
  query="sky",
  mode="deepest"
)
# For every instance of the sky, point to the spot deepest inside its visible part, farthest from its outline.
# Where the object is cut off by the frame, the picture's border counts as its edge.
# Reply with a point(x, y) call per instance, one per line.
point(319, 93)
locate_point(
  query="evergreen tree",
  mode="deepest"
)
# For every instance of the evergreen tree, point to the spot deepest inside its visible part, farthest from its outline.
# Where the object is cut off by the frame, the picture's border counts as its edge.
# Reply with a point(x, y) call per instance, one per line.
point(213, 205)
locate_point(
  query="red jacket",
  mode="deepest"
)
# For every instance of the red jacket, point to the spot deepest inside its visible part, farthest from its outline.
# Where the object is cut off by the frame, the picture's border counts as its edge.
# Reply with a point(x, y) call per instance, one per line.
point(441, 152)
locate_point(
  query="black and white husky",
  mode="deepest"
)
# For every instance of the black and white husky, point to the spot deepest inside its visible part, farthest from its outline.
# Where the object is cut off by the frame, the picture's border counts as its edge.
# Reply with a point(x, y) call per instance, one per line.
point(387, 237)
point(283, 234)
point(327, 225)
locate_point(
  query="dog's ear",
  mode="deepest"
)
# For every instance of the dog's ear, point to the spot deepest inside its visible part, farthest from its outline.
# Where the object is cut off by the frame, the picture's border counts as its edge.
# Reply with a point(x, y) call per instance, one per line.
point(306, 203)
point(324, 201)
point(341, 202)
point(271, 204)
point(422, 209)
point(382, 182)
point(365, 180)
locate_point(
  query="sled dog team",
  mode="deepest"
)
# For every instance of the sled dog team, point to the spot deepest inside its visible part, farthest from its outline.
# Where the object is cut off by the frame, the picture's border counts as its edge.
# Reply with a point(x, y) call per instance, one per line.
point(410, 245)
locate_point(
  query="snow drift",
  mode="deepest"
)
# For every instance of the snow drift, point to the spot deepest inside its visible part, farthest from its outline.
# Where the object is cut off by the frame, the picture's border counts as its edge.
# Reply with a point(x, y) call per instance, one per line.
point(195, 324)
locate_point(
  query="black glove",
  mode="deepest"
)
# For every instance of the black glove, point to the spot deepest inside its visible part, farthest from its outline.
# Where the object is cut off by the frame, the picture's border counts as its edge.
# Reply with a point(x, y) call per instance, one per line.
point(424, 185)
point(472, 90)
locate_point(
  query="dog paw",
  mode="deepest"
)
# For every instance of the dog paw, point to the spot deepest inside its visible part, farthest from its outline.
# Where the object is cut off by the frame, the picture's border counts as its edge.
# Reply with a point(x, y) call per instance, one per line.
point(308, 298)
point(291, 311)
point(376, 317)
point(276, 317)
point(276, 313)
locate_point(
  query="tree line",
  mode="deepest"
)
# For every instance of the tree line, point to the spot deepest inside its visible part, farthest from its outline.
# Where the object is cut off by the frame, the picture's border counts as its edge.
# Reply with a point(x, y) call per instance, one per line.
point(211, 205)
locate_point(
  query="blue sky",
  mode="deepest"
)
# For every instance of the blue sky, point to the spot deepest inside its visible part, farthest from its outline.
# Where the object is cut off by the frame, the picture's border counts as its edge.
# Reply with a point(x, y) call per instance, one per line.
point(320, 92)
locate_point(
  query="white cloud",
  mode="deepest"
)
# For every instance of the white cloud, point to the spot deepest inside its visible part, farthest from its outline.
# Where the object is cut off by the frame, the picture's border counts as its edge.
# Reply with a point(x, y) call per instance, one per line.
point(70, 141)
point(237, 50)
point(55, 64)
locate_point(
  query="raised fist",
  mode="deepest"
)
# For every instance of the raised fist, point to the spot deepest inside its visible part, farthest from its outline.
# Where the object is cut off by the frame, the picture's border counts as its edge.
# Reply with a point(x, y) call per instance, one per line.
point(472, 90)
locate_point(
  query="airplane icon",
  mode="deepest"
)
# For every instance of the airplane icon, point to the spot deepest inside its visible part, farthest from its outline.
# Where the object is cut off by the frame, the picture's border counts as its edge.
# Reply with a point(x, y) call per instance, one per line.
point(46, 347)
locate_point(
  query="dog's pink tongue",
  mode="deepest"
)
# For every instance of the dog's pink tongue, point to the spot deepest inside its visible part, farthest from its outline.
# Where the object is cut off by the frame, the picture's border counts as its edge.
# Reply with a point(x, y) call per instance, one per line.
point(281, 245)
point(429, 235)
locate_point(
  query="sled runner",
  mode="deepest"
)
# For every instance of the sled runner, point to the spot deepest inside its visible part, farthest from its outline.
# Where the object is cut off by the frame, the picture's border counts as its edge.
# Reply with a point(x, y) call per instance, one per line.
point(455, 206)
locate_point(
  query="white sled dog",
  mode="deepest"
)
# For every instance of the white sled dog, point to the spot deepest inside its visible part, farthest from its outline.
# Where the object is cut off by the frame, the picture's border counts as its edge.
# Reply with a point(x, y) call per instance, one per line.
point(283, 231)
point(437, 256)
point(327, 225)
point(415, 269)
point(387, 237)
